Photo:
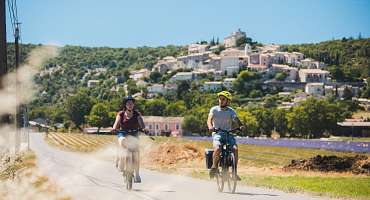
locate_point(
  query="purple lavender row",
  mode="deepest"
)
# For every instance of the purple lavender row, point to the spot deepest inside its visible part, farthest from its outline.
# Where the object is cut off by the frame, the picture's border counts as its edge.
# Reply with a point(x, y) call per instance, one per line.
point(358, 147)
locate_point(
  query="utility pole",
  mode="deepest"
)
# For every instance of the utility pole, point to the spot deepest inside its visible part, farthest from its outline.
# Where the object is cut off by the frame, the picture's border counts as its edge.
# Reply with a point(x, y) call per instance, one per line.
point(17, 92)
point(3, 62)
point(3, 53)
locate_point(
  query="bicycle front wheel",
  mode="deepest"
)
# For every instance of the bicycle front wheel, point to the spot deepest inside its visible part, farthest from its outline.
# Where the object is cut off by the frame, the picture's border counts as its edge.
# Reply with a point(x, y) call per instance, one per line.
point(129, 171)
point(231, 179)
point(220, 181)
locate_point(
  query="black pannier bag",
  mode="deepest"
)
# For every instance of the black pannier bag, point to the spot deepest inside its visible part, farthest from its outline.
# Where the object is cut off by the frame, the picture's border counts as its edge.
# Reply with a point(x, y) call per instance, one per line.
point(209, 158)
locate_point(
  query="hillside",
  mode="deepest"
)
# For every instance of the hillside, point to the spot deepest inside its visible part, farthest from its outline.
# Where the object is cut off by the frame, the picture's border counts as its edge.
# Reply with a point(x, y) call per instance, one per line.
point(348, 59)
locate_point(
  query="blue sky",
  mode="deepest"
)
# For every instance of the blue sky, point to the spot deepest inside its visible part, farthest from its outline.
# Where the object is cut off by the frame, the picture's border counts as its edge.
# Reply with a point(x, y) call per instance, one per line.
point(132, 23)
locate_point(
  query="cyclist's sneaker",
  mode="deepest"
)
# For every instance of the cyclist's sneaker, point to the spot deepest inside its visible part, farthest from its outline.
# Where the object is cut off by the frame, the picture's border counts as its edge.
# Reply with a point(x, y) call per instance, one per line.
point(137, 178)
point(212, 172)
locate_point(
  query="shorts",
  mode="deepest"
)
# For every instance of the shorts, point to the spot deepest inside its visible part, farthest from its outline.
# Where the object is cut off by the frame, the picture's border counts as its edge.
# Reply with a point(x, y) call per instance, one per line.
point(221, 138)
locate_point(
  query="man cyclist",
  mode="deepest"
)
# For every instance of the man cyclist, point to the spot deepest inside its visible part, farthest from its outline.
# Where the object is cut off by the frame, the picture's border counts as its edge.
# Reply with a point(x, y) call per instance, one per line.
point(222, 117)
point(128, 122)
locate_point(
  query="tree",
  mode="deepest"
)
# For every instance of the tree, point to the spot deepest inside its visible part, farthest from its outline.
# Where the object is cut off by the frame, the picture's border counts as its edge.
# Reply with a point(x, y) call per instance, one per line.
point(246, 82)
point(99, 116)
point(132, 87)
point(175, 109)
point(241, 41)
point(366, 91)
point(155, 76)
point(192, 124)
point(183, 87)
point(280, 76)
point(347, 94)
point(155, 107)
point(250, 122)
point(298, 122)
point(280, 121)
point(265, 120)
point(77, 107)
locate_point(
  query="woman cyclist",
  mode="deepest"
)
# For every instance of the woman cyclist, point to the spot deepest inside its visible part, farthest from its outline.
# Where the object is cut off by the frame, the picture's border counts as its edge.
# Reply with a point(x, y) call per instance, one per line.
point(128, 122)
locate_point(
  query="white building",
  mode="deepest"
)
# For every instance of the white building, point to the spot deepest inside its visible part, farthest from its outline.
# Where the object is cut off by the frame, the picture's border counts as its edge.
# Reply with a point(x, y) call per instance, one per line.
point(228, 83)
point(293, 58)
point(212, 86)
point(291, 71)
point(139, 74)
point(232, 71)
point(197, 48)
point(230, 61)
point(247, 50)
point(313, 75)
point(167, 63)
point(259, 62)
point(182, 76)
point(156, 89)
point(92, 83)
point(312, 64)
point(316, 89)
point(230, 41)
point(355, 90)
point(232, 52)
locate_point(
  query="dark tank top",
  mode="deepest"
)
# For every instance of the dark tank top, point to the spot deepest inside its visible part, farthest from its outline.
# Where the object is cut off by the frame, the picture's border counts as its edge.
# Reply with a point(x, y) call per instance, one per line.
point(129, 124)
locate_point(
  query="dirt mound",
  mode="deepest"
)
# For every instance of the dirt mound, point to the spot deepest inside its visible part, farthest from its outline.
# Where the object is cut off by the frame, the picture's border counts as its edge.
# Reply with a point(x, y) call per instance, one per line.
point(359, 164)
point(170, 154)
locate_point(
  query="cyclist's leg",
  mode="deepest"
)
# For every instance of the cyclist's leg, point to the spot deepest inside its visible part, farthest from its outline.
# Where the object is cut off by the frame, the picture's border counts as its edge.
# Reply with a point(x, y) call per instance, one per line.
point(217, 150)
point(137, 166)
point(122, 153)
point(232, 141)
point(216, 154)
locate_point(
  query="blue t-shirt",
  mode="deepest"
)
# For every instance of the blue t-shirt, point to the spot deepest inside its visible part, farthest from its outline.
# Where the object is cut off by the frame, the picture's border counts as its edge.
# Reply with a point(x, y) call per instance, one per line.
point(222, 118)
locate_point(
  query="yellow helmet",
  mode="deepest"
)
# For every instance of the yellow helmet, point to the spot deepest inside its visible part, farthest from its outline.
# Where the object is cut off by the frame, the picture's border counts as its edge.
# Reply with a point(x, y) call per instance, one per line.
point(226, 94)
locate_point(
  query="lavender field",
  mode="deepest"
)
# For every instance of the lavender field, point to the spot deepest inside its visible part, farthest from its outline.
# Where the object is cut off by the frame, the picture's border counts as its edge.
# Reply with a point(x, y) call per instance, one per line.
point(348, 146)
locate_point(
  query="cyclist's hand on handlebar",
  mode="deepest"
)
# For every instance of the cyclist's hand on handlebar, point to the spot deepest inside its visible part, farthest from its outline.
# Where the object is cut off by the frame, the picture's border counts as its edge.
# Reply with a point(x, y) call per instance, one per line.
point(211, 130)
point(242, 128)
point(114, 131)
point(145, 131)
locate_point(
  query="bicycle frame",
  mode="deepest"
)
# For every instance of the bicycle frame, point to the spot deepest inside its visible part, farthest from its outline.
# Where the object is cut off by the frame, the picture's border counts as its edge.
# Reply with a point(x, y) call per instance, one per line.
point(227, 160)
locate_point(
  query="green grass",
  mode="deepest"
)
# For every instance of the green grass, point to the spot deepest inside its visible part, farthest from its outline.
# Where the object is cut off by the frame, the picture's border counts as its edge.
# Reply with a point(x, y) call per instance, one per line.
point(338, 187)
point(350, 187)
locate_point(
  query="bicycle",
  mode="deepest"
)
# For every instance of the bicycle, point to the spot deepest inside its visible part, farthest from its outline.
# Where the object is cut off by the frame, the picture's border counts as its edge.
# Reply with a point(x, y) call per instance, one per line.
point(227, 167)
point(132, 147)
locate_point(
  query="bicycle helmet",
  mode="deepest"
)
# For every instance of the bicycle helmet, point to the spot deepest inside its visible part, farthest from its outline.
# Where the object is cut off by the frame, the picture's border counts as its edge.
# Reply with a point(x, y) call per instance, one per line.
point(128, 98)
point(226, 94)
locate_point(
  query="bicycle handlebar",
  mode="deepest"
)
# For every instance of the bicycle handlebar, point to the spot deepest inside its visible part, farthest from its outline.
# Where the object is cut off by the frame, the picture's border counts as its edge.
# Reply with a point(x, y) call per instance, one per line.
point(228, 131)
point(135, 130)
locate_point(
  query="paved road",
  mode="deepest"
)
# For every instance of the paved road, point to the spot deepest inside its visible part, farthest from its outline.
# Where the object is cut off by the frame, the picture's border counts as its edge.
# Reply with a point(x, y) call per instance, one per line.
point(89, 177)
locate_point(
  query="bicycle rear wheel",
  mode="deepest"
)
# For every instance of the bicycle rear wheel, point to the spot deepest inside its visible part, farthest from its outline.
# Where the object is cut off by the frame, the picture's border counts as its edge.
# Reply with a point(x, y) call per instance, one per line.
point(231, 174)
point(129, 181)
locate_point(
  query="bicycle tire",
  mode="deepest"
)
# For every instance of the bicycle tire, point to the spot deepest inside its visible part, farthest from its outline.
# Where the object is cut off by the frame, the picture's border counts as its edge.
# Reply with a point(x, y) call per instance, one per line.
point(129, 172)
point(232, 180)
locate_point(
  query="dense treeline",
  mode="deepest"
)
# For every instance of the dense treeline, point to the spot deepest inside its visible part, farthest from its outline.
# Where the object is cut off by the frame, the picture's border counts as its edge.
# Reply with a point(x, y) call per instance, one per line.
point(347, 59)
point(311, 119)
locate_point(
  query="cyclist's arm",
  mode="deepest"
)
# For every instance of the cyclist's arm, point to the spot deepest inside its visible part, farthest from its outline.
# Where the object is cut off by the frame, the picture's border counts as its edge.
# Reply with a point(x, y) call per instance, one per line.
point(236, 118)
point(209, 121)
point(116, 123)
point(141, 122)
